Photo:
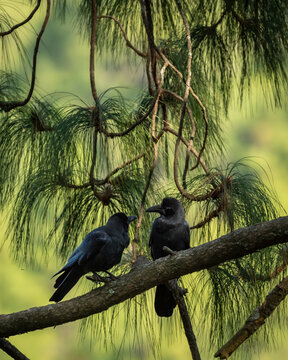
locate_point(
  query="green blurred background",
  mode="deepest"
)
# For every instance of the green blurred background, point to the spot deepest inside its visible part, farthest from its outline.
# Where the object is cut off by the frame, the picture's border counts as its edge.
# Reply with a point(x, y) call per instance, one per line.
point(256, 129)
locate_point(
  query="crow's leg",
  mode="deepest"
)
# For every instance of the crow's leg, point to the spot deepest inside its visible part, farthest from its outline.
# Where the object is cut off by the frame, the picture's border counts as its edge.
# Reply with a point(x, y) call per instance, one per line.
point(111, 276)
point(98, 278)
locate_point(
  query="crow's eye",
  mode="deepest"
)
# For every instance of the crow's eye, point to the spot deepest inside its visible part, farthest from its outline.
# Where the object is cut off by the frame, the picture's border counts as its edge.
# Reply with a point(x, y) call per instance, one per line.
point(169, 212)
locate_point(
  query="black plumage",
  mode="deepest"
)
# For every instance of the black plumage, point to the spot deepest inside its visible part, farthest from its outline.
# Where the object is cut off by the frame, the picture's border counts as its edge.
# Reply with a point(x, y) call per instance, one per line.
point(171, 230)
point(101, 249)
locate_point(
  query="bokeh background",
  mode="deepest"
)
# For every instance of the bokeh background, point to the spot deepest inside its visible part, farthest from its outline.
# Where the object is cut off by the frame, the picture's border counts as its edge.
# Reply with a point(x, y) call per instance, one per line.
point(255, 129)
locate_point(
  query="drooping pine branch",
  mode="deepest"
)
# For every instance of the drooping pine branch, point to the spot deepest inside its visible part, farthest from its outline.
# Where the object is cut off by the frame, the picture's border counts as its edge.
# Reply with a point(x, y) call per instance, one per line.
point(9, 105)
point(16, 26)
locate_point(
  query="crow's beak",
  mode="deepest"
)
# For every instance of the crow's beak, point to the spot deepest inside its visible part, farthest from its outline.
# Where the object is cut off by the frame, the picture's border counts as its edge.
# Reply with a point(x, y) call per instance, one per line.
point(155, 208)
point(131, 218)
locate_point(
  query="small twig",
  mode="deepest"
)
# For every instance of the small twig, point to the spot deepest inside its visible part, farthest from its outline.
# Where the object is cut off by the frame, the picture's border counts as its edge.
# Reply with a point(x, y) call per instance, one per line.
point(257, 319)
point(128, 43)
point(248, 275)
point(169, 251)
point(178, 97)
point(208, 218)
point(16, 26)
point(194, 151)
point(126, 163)
point(63, 182)
point(127, 131)
point(178, 294)
point(9, 105)
point(11, 350)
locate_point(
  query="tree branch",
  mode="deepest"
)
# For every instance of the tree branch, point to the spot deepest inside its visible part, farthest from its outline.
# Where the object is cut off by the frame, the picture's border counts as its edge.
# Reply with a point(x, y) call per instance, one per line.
point(92, 51)
point(128, 43)
point(236, 244)
point(16, 26)
point(178, 295)
point(188, 145)
point(127, 131)
point(9, 105)
point(255, 320)
point(11, 350)
point(143, 200)
point(209, 217)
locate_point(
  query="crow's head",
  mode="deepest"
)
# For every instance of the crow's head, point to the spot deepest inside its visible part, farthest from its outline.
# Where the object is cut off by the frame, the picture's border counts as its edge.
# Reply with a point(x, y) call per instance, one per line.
point(121, 218)
point(168, 208)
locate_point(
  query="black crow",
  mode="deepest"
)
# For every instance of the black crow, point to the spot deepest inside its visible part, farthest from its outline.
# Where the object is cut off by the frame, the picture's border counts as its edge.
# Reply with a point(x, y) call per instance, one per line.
point(101, 249)
point(171, 230)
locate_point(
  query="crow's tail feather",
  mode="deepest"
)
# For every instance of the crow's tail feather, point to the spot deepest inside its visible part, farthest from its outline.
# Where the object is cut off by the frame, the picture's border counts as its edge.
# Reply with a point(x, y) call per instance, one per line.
point(65, 282)
point(164, 301)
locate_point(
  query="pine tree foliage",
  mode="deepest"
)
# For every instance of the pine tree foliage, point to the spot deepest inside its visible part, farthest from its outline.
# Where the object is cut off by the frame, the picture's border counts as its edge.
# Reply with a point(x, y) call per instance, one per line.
point(69, 167)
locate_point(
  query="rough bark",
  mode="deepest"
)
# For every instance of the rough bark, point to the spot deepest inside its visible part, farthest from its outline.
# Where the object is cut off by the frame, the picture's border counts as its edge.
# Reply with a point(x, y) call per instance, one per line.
point(141, 278)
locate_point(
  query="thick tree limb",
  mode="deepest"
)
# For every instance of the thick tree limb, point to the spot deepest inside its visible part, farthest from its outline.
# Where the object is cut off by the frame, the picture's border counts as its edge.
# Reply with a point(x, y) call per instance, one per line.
point(236, 244)
point(255, 320)
point(11, 350)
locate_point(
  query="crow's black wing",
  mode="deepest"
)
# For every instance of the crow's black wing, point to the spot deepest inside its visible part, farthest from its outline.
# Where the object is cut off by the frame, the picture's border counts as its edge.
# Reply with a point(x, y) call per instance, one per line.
point(90, 246)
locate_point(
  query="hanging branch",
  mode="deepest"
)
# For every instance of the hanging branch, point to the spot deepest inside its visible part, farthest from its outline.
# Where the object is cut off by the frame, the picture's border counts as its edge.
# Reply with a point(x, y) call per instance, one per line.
point(148, 75)
point(92, 51)
point(132, 127)
point(95, 120)
point(193, 130)
point(11, 350)
point(194, 151)
point(256, 319)
point(16, 26)
point(9, 105)
point(206, 128)
point(208, 218)
point(186, 95)
point(128, 43)
point(148, 23)
point(142, 205)
point(143, 200)
point(147, 19)
point(178, 294)
point(178, 97)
